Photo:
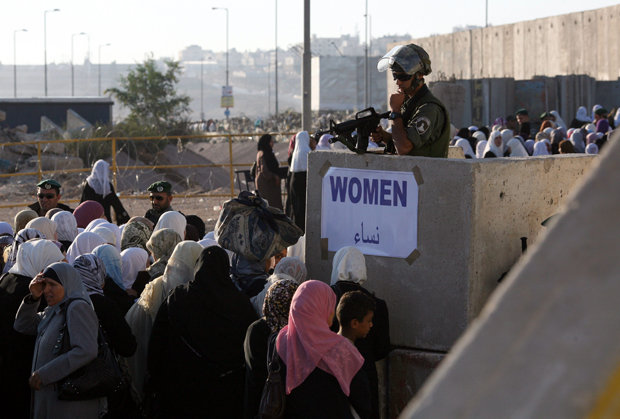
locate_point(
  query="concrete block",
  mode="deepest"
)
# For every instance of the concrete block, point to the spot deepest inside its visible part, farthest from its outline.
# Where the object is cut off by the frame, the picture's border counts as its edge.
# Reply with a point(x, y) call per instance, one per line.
point(546, 345)
point(78, 126)
point(49, 162)
point(408, 370)
point(471, 216)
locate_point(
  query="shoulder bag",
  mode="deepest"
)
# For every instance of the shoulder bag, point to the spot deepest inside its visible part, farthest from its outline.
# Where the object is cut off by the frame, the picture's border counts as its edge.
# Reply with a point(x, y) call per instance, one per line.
point(273, 399)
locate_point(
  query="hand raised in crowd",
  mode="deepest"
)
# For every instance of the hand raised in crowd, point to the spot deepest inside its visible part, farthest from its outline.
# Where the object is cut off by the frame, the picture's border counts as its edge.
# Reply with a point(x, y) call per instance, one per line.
point(36, 286)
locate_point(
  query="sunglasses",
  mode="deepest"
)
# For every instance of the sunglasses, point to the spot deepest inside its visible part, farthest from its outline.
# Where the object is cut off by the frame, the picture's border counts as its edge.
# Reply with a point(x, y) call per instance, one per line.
point(402, 76)
point(156, 197)
point(46, 196)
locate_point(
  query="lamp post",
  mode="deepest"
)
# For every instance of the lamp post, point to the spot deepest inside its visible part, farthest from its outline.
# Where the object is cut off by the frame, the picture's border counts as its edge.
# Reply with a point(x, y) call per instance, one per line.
point(276, 57)
point(72, 71)
point(226, 10)
point(15, 60)
point(45, 43)
point(99, 67)
point(202, 100)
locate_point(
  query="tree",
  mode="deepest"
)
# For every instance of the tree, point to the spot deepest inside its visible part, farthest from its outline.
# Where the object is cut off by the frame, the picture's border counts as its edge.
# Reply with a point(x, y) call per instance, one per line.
point(155, 107)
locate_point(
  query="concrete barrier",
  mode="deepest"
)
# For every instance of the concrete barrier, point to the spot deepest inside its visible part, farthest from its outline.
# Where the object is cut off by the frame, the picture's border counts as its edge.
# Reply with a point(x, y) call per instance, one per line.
point(546, 344)
point(472, 215)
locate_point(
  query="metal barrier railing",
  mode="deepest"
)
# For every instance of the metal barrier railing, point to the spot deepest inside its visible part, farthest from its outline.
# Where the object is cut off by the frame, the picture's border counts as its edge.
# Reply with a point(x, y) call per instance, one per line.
point(115, 168)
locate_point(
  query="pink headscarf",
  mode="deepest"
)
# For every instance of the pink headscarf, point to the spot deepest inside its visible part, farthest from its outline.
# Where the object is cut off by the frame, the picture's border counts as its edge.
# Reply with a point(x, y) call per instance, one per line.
point(307, 342)
point(86, 212)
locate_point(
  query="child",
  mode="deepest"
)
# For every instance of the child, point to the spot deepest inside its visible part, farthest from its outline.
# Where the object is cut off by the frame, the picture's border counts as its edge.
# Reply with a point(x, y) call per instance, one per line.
point(355, 312)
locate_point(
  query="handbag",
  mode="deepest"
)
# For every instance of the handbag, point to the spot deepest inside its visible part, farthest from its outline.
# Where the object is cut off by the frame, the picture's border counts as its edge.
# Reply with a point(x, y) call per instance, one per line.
point(273, 398)
point(101, 377)
point(251, 228)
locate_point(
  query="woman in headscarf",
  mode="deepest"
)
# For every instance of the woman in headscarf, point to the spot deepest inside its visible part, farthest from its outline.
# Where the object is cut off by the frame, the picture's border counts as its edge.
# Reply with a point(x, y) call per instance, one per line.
point(106, 234)
point(59, 283)
point(324, 143)
point(558, 120)
point(466, 147)
point(88, 211)
point(96, 225)
point(268, 181)
point(22, 237)
point(22, 218)
point(275, 308)
point(114, 288)
point(45, 226)
point(557, 136)
point(516, 148)
point(529, 146)
point(6, 239)
point(66, 228)
point(480, 147)
point(287, 268)
point(592, 149)
point(84, 243)
point(174, 220)
point(16, 349)
point(577, 140)
point(161, 244)
point(179, 271)
point(495, 146)
point(133, 261)
point(321, 368)
point(541, 148)
point(99, 188)
point(299, 172)
point(136, 233)
point(581, 118)
point(195, 355)
point(349, 274)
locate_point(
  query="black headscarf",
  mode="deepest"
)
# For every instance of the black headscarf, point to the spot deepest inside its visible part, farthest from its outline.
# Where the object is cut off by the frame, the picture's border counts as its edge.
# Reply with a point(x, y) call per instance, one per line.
point(209, 312)
point(264, 145)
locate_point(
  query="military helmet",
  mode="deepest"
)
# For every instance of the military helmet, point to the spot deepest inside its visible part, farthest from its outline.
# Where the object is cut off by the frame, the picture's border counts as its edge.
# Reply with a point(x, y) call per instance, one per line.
point(408, 59)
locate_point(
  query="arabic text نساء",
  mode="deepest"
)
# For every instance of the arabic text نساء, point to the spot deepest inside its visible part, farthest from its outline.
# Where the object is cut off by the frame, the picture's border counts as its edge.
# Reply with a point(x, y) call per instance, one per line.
point(374, 238)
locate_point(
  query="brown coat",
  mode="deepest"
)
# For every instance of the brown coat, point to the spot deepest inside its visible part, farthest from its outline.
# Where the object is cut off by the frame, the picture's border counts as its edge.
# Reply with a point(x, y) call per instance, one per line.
point(267, 182)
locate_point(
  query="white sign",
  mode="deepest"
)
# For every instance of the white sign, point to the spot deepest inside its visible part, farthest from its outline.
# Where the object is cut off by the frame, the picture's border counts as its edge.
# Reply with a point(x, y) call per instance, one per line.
point(373, 210)
point(227, 91)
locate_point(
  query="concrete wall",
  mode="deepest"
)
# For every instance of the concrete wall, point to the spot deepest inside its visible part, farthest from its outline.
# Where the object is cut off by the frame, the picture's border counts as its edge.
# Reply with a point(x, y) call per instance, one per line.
point(576, 43)
point(546, 345)
point(471, 216)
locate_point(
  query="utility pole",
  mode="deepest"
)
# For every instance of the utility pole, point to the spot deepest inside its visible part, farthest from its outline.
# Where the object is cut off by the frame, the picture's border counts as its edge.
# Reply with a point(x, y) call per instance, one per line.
point(306, 115)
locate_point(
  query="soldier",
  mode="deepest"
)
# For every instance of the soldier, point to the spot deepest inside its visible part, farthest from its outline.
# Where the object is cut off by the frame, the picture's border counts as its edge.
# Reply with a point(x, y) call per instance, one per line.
point(420, 122)
point(161, 198)
point(48, 195)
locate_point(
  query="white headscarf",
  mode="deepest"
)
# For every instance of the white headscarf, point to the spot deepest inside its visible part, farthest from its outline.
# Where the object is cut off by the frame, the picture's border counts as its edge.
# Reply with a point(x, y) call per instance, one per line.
point(116, 231)
point(299, 162)
point(298, 250)
point(324, 142)
point(516, 148)
point(479, 136)
point(558, 120)
point(34, 256)
point(494, 148)
point(94, 224)
point(464, 144)
point(577, 140)
point(592, 149)
point(84, 243)
point(106, 234)
point(591, 128)
point(540, 149)
point(594, 109)
point(174, 220)
point(507, 135)
point(66, 226)
point(480, 147)
point(99, 178)
point(582, 115)
point(529, 146)
point(293, 267)
point(548, 130)
point(349, 265)
point(133, 260)
point(45, 226)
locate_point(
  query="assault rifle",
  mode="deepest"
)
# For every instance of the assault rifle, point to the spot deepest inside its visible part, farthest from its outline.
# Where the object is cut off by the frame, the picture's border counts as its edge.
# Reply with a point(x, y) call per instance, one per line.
point(365, 122)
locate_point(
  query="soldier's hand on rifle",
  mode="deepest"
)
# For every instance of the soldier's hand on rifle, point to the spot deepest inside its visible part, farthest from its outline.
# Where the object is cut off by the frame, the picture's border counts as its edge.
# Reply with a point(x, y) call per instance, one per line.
point(380, 135)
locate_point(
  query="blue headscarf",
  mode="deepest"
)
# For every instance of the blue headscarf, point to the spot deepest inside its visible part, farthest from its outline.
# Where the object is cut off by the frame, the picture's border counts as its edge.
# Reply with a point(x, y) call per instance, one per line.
point(111, 258)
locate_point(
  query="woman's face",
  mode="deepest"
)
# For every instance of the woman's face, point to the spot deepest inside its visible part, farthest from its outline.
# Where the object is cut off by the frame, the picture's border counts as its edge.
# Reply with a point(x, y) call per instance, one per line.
point(53, 292)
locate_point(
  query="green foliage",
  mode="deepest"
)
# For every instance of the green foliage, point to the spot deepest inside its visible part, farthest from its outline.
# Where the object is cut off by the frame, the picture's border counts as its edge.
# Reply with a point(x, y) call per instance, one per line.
point(150, 95)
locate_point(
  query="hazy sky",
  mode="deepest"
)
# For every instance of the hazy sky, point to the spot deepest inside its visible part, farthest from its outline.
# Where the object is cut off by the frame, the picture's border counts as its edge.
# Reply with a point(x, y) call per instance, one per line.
point(135, 28)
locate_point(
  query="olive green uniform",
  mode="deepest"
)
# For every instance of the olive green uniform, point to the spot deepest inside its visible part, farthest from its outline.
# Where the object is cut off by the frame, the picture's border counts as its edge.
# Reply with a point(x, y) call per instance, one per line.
point(427, 124)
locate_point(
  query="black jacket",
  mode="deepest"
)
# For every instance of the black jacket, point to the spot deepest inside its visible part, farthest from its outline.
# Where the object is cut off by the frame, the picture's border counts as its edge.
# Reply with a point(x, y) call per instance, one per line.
point(110, 200)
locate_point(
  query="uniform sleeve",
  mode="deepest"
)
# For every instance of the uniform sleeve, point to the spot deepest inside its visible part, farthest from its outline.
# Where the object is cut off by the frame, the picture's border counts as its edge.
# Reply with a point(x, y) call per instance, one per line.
point(83, 328)
point(424, 124)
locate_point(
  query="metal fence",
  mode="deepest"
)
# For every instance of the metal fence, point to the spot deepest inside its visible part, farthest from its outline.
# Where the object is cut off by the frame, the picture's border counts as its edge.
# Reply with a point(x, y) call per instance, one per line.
point(116, 168)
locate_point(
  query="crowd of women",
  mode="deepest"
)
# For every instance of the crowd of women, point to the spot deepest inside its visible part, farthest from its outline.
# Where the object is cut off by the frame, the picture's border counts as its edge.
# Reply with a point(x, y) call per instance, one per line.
point(584, 135)
point(192, 342)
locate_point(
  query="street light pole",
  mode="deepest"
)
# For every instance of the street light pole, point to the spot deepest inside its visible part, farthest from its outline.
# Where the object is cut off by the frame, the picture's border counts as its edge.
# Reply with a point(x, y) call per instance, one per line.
point(45, 43)
point(276, 56)
point(72, 72)
point(99, 67)
point(202, 101)
point(226, 10)
point(15, 60)
point(366, 57)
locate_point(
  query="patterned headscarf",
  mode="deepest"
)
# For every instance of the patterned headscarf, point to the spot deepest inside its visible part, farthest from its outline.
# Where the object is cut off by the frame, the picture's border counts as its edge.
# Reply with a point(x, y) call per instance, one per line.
point(161, 244)
point(278, 302)
point(293, 267)
point(22, 236)
point(92, 271)
point(66, 226)
point(135, 234)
